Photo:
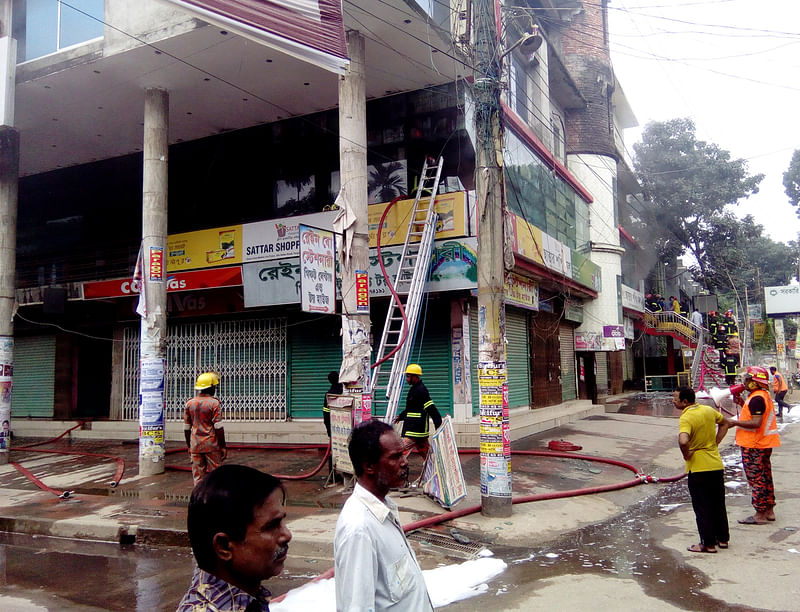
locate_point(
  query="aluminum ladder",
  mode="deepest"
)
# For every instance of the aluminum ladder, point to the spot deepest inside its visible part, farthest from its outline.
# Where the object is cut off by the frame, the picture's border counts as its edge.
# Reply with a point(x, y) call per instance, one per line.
point(409, 284)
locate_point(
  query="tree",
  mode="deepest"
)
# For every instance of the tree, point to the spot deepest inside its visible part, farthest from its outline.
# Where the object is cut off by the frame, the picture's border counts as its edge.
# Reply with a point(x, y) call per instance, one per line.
point(690, 183)
point(791, 181)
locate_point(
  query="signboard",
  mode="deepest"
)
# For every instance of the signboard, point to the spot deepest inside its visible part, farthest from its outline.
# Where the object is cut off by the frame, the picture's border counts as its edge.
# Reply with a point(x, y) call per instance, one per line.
point(495, 443)
point(533, 244)
point(454, 266)
point(706, 303)
point(442, 477)
point(613, 331)
point(782, 300)
point(588, 341)
point(754, 312)
point(362, 292)
point(573, 311)
point(759, 329)
point(521, 291)
point(630, 332)
point(156, 267)
point(632, 299)
point(180, 281)
point(317, 270)
point(451, 222)
point(278, 238)
point(204, 249)
point(341, 425)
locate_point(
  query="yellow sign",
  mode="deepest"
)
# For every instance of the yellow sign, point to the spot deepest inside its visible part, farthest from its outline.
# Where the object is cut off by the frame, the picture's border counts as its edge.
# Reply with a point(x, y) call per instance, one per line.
point(450, 207)
point(220, 246)
point(758, 330)
point(528, 240)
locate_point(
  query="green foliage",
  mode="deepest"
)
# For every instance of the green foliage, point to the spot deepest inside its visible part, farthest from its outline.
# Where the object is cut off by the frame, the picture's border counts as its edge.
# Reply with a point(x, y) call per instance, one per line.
point(791, 181)
point(690, 184)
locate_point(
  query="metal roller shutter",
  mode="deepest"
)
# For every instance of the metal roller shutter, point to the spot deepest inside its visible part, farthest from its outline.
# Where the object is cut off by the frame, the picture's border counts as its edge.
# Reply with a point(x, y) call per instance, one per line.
point(431, 350)
point(315, 350)
point(601, 359)
point(517, 358)
point(566, 339)
point(34, 377)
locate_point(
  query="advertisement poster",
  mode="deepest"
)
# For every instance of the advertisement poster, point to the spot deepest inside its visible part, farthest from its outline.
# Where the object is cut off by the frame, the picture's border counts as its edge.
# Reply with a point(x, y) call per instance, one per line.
point(6, 376)
point(341, 425)
point(156, 268)
point(278, 238)
point(362, 292)
point(494, 435)
point(442, 477)
point(317, 270)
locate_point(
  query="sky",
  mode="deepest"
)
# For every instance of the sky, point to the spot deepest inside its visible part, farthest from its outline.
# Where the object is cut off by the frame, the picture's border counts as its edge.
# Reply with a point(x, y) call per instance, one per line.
point(733, 66)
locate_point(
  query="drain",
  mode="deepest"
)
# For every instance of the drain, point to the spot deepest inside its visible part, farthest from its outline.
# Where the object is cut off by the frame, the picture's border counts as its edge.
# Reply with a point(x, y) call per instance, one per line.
point(444, 543)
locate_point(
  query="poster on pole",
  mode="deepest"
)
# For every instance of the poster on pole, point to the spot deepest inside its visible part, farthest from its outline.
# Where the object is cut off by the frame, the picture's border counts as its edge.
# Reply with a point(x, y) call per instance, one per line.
point(6, 383)
point(151, 408)
point(341, 407)
point(494, 429)
point(442, 478)
point(317, 270)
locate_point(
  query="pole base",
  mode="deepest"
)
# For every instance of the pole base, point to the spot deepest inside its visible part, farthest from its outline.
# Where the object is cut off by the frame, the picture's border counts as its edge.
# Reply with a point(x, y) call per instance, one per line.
point(498, 507)
point(148, 467)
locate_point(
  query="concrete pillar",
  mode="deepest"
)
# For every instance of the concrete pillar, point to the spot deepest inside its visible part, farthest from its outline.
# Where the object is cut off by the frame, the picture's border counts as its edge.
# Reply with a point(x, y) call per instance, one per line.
point(354, 373)
point(9, 176)
point(153, 288)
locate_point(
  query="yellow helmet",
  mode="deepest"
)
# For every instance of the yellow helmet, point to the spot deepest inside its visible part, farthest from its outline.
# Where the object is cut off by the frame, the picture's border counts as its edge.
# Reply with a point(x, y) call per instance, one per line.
point(414, 368)
point(206, 380)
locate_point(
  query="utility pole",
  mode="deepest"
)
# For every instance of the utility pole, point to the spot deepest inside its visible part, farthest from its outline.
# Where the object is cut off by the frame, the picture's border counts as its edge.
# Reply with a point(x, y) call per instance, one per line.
point(491, 366)
point(353, 224)
point(153, 285)
point(9, 176)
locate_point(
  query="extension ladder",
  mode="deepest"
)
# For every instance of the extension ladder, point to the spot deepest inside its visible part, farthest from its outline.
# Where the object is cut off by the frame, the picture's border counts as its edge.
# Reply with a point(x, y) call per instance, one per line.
point(409, 285)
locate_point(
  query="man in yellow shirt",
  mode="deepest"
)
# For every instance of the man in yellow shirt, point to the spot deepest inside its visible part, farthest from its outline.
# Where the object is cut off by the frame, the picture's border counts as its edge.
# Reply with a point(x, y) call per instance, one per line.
point(701, 429)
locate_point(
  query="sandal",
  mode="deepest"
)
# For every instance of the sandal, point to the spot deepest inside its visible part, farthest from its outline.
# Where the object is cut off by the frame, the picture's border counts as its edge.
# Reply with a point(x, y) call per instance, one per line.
point(751, 520)
point(699, 548)
point(722, 544)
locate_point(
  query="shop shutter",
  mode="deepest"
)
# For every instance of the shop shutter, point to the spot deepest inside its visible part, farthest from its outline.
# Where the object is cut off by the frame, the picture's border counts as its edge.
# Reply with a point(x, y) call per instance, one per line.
point(431, 350)
point(315, 349)
point(34, 377)
point(601, 359)
point(569, 388)
point(518, 358)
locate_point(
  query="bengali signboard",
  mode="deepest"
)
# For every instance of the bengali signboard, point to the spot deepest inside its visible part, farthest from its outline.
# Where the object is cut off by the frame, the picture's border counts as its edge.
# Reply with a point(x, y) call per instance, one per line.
point(453, 266)
point(782, 300)
point(632, 299)
point(179, 281)
point(442, 477)
point(317, 270)
point(521, 291)
point(278, 238)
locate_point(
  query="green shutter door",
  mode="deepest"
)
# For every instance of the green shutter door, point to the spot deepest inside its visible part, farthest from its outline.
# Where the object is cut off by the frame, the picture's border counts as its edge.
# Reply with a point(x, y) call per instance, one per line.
point(566, 340)
point(34, 377)
point(315, 348)
point(518, 364)
point(431, 350)
point(519, 380)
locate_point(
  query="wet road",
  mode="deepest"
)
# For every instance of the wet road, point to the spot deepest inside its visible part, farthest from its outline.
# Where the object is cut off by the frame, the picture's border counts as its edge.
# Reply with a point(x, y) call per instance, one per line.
point(40, 573)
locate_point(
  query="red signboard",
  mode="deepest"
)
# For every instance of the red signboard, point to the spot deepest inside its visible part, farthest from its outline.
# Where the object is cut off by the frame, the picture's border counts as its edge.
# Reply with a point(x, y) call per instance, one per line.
point(180, 281)
point(362, 292)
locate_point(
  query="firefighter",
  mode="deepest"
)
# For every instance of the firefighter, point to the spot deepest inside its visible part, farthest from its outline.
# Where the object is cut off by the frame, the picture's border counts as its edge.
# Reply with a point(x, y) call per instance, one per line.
point(419, 408)
point(202, 427)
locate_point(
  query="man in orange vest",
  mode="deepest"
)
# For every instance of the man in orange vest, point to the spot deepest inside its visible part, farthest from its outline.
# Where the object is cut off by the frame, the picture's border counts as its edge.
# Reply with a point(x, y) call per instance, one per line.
point(757, 435)
point(779, 387)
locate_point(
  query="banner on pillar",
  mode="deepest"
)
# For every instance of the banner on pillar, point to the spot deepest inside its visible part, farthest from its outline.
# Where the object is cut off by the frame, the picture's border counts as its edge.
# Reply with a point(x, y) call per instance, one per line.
point(494, 429)
point(6, 383)
point(317, 270)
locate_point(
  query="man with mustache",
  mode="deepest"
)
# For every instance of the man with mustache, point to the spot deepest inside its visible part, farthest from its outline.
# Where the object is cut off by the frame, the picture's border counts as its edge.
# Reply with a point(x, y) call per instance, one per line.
point(239, 538)
point(375, 567)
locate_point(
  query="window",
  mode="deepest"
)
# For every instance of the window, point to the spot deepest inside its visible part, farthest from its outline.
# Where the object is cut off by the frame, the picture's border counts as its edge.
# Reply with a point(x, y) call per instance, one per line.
point(46, 26)
point(559, 141)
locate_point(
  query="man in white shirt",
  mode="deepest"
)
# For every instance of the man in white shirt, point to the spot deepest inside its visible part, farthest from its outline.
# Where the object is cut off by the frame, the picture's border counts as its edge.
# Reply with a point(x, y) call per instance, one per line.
point(375, 567)
point(697, 318)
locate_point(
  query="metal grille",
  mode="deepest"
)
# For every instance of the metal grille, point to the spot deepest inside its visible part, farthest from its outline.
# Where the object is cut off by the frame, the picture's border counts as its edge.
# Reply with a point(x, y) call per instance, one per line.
point(249, 356)
point(433, 540)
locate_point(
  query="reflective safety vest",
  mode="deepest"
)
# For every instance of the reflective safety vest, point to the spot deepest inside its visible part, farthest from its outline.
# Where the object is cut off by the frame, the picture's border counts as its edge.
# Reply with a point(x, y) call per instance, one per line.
point(779, 383)
point(766, 436)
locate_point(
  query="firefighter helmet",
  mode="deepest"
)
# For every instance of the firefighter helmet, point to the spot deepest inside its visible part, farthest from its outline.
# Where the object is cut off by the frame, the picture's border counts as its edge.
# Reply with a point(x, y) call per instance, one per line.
point(206, 380)
point(414, 368)
point(758, 375)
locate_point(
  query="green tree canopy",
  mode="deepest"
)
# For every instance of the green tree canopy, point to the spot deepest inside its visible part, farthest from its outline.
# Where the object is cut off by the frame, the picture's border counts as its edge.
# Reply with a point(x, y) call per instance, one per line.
point(791, 181)
point(690, 183)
